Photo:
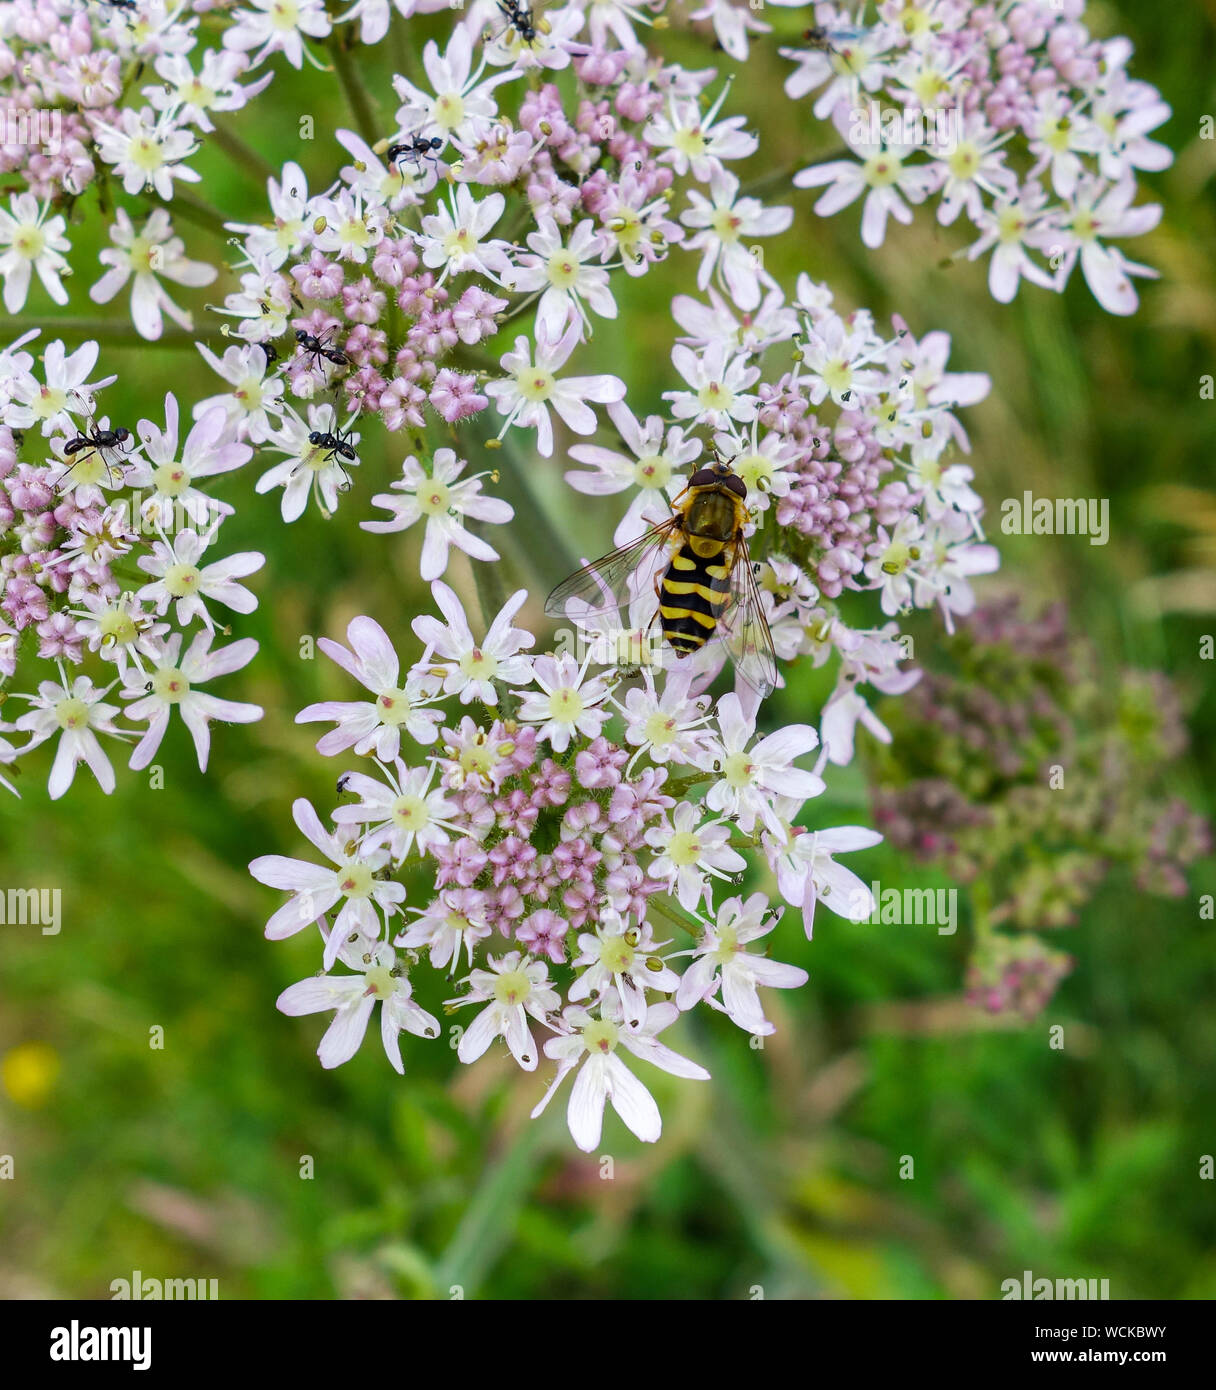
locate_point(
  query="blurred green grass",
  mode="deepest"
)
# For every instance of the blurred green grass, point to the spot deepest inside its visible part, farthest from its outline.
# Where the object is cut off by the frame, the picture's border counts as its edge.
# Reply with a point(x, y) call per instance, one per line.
point(783, 1173)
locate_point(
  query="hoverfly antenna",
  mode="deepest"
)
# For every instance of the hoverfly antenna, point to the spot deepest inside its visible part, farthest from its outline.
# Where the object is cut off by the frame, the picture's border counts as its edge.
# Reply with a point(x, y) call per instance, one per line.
point(723, 463)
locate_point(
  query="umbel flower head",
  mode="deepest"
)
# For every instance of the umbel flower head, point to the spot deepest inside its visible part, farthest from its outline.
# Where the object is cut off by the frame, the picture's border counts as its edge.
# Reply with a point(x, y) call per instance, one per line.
point(1014, 116)
point(365, 308)
point(440, 288)
point(84, 506)
point(563, 862)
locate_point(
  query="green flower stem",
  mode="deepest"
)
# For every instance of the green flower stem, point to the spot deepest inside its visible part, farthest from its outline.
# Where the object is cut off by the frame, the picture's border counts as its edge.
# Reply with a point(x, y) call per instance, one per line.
point(777, 179)
point(662, 904)
point(404, 52)
point(521, 308)
point(487, 577)
point(192, 208)
point(486, 1228)
point(543, 552)
point(108, 332)
point(244, 155)
point(679, 787)
point(356, 93)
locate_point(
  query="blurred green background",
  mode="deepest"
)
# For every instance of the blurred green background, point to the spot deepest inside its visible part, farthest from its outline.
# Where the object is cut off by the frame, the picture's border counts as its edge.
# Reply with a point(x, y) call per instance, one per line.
point(784, 1172)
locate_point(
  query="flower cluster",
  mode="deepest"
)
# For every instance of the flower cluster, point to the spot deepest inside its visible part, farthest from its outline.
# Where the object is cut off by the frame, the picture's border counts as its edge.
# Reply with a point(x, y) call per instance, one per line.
point(847, 458)
point(77, 117)
point(105, 579)
point(1029, 772)
point(1012, 114)
point(540, 823)
point(534, 162)
point(493, 198)
point(1043, 133)
point(559, 829)
point(389, 285)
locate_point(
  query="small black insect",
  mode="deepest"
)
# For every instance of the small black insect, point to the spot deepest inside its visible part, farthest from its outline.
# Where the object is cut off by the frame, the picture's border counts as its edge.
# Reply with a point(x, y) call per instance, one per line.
point(519, 17)
point(129, 5)
point(272, 352)
point(95, 441)
point(318, 347)
point(825, 38)
point(99, 439)
point(337, 446)
point(417, 147)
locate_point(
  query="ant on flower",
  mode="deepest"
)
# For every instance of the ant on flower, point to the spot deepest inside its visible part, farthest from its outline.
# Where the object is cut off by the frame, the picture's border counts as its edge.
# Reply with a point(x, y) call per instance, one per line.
point(337, 446)
point(94, 440)
point(417, 148)
point(317, 347)
point(521, 21)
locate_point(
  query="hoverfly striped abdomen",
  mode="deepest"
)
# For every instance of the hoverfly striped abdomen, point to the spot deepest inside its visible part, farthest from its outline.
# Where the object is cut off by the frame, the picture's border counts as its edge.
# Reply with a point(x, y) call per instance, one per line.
point(694, 592)
point(697, 563)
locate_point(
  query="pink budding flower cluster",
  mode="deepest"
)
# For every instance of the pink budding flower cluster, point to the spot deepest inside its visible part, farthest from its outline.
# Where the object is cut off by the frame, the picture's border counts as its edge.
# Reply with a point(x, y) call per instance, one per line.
point(111, 578)
point(550, 858)
point(1012, 114)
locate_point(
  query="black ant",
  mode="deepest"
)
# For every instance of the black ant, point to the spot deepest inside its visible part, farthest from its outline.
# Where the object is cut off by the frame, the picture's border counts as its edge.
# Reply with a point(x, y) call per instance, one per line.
point(95, 441)
point(337, 446)
point(417, 147)
point(319, 347)
point(519, 17)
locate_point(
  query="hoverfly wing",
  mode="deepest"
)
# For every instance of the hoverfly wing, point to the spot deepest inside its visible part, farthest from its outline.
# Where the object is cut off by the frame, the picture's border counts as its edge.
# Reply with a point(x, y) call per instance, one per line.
point(744, 628)
point(616, 579)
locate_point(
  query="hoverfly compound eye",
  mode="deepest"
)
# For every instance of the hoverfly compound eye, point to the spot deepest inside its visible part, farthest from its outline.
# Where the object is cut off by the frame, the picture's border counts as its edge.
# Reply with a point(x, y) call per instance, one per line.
point(736, 484)
point(703, 477)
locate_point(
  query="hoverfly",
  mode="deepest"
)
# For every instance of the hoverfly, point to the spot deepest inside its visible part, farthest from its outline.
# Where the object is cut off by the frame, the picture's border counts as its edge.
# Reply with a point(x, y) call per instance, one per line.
point(703, 579)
